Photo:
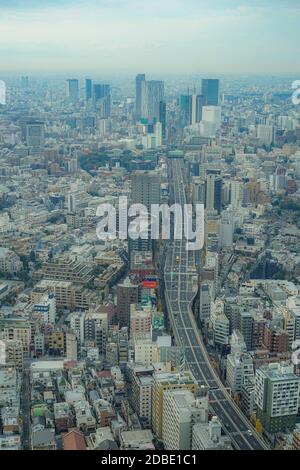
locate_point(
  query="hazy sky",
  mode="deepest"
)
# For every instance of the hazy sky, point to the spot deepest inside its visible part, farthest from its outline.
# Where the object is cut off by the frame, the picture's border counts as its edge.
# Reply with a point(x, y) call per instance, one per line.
point(159, 36)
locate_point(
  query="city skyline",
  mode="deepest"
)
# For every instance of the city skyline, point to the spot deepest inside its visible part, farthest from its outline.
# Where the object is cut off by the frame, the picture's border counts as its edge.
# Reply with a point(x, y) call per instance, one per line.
point(164, 37)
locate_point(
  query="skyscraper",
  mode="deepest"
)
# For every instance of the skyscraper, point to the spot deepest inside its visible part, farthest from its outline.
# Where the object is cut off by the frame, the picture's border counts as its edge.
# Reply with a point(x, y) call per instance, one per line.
point(152, 95)
point(200, 102)
point(145, 189)
point(163, 119)
point(140, 78)
point(210, 91)
point(191, 108)
point(88, 89)
point(73, 89)
point(213, 193)
point(185, 109)
point(127, 294)
point(102, 98)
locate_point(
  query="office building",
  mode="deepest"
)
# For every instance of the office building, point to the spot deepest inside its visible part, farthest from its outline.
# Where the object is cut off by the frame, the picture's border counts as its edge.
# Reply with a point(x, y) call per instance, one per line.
point(140, 78)
point(239, 371)
point(181, 411)
point(35, 136)
point(265, 134)
point(163, 381)
point(191, 108)
point(71, 203)
point(102, 99)
point(210, 91)
point(277, 396)
point(141, 391)
point(163, 120)
point(152, 95)
point(213, 191)
point(73, 89)
point(127, 294)
point(145, 189)
point(88, 89)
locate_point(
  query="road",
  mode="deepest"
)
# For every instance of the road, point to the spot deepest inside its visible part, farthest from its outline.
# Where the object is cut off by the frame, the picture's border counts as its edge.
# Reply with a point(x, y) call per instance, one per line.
point(181, 286)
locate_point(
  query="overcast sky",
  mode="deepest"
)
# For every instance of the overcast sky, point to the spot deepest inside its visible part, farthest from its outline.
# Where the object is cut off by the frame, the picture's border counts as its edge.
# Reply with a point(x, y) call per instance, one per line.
point(159, 36)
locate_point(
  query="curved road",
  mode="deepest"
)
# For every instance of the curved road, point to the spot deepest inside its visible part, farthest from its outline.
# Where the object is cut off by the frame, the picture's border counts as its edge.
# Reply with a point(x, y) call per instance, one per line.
point(181, 286)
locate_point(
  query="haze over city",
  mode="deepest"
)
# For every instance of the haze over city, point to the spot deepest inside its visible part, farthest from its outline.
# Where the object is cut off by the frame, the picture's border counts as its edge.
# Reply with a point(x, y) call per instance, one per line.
point(161, 36)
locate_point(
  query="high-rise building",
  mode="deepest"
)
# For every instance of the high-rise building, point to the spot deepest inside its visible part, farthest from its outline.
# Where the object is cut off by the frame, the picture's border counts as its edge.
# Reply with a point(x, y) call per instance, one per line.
point(212, 114)
point(73, 89)
point(163, 119)
point(152, 95)
point(35, 134)
point(210, 91)
point(185, 108)
point(88, 89)
point(205, 302)
point(163, 381)
point(265, 134)
point(140, 320)
point(239, 371)
point(236, 193)
point(127, 294)
point(145, 189)
point(200, 102)
point(96, 329)
point(71, 203)
point(191, 108)
point(181, 411)
point(141, 392)
point(277, 396)
point(213, 192)
point(245, 326)
point(102, 99)
point(71, 347)
point(140, 78)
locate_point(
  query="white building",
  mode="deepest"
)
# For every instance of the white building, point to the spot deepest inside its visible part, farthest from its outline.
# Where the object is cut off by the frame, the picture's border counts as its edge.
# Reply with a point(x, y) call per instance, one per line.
point(207, 436)
point(180, 412)
point(71, 347)
point(146, 351)
point(265, 134)
point(239, 371)
point(45, 309)
point(211, 121)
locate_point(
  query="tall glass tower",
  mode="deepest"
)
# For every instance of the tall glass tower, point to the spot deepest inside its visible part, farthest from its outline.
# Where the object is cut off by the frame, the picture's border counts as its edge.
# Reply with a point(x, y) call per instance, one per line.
point(210, 91)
